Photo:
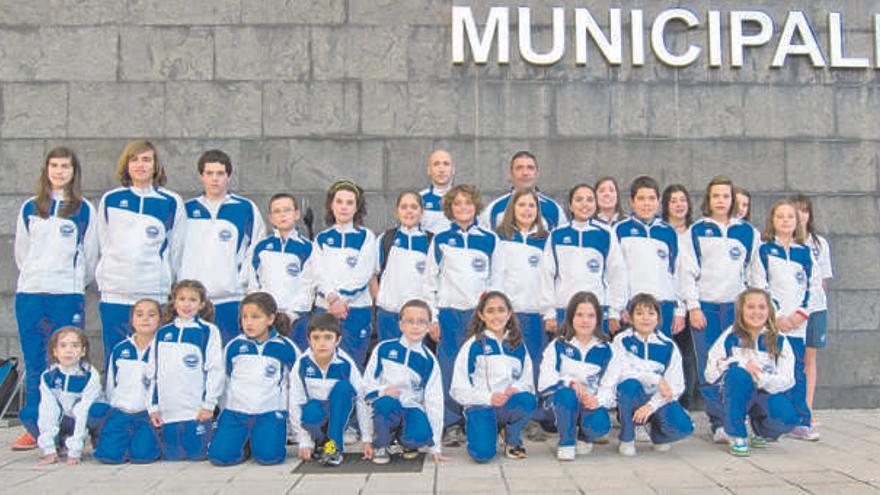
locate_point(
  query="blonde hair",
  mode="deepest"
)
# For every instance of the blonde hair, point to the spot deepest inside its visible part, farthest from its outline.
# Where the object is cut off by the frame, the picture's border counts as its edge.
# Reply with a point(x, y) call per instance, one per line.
point(132, 150)
point(769, 233)
point(740, 329)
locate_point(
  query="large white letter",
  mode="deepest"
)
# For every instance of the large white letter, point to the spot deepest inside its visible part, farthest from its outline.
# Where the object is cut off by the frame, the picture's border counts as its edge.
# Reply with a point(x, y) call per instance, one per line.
point(738, 40)
point(835, 34)
point(525, 37)
point(658, 44)
point(611, 49)
point(797, 22)
point(715, 49)
point(463, 20)
point(637, 27)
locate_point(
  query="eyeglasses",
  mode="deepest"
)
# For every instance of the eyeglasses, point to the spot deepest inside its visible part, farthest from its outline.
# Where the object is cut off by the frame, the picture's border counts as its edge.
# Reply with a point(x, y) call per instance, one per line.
point(416, 323)
point(282, 211)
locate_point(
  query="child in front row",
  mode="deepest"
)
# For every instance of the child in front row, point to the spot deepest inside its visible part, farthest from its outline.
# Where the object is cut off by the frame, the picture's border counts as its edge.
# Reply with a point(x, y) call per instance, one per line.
point(67, 390)
point(493, 380)
point(571, 371)
point(258, 364)
point(754, 366)
point(402, 382)
point(325, 385)
point(185, 371)
point(645, 377)
point(126, 433)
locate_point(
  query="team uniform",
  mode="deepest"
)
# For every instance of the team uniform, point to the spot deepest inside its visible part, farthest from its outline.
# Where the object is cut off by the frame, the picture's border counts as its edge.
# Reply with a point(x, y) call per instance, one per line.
point(141, 232)
point(185, 369)
point(585, 256)
point(552, 214)
point(255, 405)
point(56, 259)
point(608, 223)
point(433, 219)
point(277, 266)
point(565, 363)
point(219, 238)
point(126, 433)
point(344, 263)
point(62, 417)
point(765, 403)
point(415, 416)
point(461, 266)
point(712, 272)
point(789, 275)
point(651, 251)
point(321, 401)
point(817, 327)
point(403, 270)
point(486, 365)
point(632, 379)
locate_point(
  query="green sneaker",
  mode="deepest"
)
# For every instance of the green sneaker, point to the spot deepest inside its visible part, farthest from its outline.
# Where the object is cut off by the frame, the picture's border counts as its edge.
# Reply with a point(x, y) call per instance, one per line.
point(739, 447)
point(759, 442)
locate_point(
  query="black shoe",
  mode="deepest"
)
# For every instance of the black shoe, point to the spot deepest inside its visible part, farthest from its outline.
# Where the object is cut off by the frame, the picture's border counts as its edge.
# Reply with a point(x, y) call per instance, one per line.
point(516, 452)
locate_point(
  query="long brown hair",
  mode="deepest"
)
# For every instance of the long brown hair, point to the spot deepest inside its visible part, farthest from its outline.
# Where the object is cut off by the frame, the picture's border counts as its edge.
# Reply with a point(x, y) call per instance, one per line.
point(72, 190)
point(769, 233)
point(810, 227)
point(507, 227)
point(476, 327)
point(567, 332)
point(268, 306)
point(618, 206)
point(741, 330)
point(667, 198)
point(133, 149)
point(205, 314)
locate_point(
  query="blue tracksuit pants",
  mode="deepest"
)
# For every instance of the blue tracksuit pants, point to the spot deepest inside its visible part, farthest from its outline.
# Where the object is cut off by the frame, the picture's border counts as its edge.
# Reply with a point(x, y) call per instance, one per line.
point(407, 424)
point(718, 318)
point(571, 416)
point(770, 415)
point(669, 424)
point(124, 437)
point(483, 422)
point(264, 435)
point(798, 393)
point(387, 324)
point(186, 440)
point(327, 419)
point(453, 328)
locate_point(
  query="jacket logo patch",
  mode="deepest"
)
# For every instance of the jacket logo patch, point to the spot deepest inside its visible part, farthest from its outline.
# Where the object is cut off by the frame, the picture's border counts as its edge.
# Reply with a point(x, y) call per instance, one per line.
point(243, 348)
point(479, 265)
point(365, 332)
point(815, 252)
point(661, 254)
point(634, 231)
point(191, 361)
point(487, 349)
point(801, 277)
point(735, 252)
point(453, 242)
point(392, 354)
point(311, 371)
point(533, 260)
point(429, 205)
point(293, 269)
point(351, 261)
point(201, 430)
point(593, 265)
point(566, 240)
point(66, 230)
point(58, 382)
point(420, 266)
point(167, 337)
point(397, 242)
point(270, 371)
point(76, 318)
point(330, 241)
point(152, 232)
point(224, 235)
point(197, 213)
point(569, 352)
point(126, 353)
point(123, 203)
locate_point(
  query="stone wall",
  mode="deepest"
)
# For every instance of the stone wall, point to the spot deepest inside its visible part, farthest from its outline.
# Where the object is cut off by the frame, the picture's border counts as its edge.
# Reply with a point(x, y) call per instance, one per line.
point(300, 92)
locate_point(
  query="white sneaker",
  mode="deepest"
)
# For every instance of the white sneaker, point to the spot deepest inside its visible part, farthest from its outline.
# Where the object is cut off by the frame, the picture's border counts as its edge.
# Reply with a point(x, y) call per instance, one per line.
point(350, 436)
point(720, 436)
point(642, 434)
point(662, 447)
point(381, 456)
point(627, 449)
point(805, 433)
point(584, 448)
point(565, 453)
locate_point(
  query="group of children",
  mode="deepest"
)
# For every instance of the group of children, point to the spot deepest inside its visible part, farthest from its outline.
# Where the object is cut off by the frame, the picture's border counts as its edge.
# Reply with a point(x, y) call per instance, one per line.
point(611, 294)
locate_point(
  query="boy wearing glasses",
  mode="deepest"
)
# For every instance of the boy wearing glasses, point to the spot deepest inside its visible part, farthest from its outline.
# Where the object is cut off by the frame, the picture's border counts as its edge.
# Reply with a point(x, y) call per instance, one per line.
point(402, 382)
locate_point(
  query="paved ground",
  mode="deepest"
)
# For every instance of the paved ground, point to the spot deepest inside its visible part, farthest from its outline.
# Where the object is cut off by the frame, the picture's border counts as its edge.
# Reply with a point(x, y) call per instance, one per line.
point(846, 461)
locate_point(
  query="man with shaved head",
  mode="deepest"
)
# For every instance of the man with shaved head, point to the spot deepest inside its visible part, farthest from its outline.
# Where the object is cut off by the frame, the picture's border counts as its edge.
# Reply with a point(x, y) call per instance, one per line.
point(441, 169)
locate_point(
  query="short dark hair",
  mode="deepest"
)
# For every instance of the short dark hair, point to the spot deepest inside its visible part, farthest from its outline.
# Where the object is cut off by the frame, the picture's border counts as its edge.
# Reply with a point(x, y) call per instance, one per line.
point(417, 304)
point(644, 182)
point(326, 322)
point(214, 156)
point(521, 154)
point(283, 195)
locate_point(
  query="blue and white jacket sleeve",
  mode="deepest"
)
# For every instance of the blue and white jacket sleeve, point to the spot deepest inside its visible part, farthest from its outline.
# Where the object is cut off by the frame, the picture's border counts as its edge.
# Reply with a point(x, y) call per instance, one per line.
point(215, 372)
point(462, 388)
point(91, 245)
point(616, 279)
point(90, 394)
point(434, 406)
point(674, 376)
point(687, 272)
point(432, 279)
point(245, 256)
point(717, 360)
point(177, 236)
point(150, 376)
point(48, 418)
point(526, 380)
point(22, 239)
point(549, 379)
point(373, 388)
point(363, 410)
point(607, 394)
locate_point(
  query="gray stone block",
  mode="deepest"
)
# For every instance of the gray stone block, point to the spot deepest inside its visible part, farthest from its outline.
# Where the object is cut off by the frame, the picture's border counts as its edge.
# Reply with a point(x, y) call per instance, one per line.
point(303, 109)
point(166, 54)
point(583, 111)
point(58, 54)
point(789, 112)
point(854, 215)
point(415, 109)
point(693, 111)
point(831, 166)
point(368, 53)
point(10, 207)
point(395, 12)
point(505, 109)
point(844, 363)
point(34, 110)
point(856, 262)
point(7, 312)
point(149, 12)
point(116, 110)
point(854, 309)
point(49, 12)
point(739, 160)
point(260, 53)
point(293, 11)
point(20, 160)
point(310, 165)
point(180, 157)
point(8, 271)
point(853, 121)
point(211, 110)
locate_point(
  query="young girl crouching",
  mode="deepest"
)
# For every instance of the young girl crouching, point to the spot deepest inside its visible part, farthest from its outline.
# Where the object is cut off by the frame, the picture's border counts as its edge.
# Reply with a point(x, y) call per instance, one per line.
point(754, 366)
point(571, 370)
point(645, 377)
